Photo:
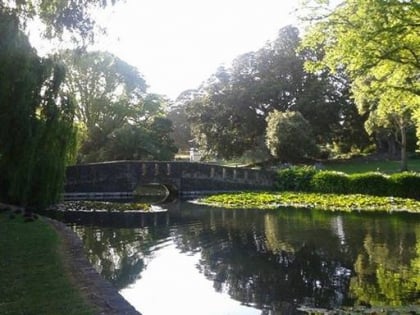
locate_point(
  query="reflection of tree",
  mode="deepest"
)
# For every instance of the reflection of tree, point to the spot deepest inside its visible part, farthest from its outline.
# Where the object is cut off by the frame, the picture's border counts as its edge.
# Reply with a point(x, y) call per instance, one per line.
point(263, 261)
point(274, 260)
point(117, 254)
point(388, 272)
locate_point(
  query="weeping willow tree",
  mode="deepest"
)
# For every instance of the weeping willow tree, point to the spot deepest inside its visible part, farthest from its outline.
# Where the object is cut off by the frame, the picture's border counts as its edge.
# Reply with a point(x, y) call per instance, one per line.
point(36, 120)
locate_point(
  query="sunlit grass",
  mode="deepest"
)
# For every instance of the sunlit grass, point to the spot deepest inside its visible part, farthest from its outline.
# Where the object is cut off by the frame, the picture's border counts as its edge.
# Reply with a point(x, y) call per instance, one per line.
point(333, 202)
point(33, 279)
point(361, 166)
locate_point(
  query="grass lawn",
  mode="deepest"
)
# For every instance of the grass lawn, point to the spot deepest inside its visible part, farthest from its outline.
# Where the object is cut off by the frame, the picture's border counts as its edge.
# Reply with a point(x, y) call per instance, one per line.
point(361, 166)
point(33, 279)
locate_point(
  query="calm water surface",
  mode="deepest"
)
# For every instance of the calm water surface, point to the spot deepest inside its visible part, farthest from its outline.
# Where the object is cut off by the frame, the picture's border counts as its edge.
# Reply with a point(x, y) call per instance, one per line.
point(202, 260)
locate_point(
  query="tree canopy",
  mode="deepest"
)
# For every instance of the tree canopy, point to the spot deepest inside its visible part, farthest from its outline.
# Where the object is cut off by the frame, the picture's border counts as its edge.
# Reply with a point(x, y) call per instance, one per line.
point(376, 43)
point(117, 118)
point(58, 16)
point(36, 121)
point(229, 112)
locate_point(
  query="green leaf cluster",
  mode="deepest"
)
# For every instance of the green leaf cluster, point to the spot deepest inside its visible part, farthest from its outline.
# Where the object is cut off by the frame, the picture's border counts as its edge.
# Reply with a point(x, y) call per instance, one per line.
point(230, 112)
point(376, 42)
point(371, 183)
point(59, 16)
point(330, 182)
point(289, 136)
point(295, 178)
point(118, 119)
point(332, 202)
point(91, 206)
point(37, 137)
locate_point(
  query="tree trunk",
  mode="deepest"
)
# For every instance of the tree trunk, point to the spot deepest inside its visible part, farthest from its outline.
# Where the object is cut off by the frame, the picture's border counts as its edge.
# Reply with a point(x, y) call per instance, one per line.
point(403, 166)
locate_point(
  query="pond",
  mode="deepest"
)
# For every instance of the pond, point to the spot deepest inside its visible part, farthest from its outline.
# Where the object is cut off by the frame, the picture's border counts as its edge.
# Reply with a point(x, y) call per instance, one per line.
point(202, 260)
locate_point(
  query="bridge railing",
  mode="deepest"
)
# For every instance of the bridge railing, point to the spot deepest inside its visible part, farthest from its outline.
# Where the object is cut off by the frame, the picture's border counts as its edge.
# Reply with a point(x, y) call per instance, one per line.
point(126, 175)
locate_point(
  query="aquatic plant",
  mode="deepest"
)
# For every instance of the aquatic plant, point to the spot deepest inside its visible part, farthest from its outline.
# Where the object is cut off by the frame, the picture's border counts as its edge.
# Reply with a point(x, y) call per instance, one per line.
point(332, 202)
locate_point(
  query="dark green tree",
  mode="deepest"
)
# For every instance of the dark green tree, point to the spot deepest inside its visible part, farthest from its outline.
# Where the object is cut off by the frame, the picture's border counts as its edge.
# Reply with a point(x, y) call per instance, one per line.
point(182, 134)
point(229, 114)
point(118, 118)
point(289, 136)
point(36, 120)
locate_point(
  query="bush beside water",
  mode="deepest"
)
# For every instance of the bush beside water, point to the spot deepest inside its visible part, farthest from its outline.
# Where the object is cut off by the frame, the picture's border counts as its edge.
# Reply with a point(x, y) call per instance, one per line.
point(406, 185)
point(295, 178)
point(309, 179)
point(370, 183)
point(330, 182)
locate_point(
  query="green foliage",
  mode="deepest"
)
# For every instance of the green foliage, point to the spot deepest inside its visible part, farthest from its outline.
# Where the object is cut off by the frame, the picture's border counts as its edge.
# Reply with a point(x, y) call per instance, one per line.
point(33, 277)
point(330, 182)
point(331, 202)
point(59, 16)
point(228, 113)
point(121, 121)
point(36, 121)
point(104, 206)
point(289, 136)
point(367, 165)
point(370, 183)
point(295, 178)
point(406, 184)
point(416, 115)
point(178, 115)
point(149, 141)
point(376, 42)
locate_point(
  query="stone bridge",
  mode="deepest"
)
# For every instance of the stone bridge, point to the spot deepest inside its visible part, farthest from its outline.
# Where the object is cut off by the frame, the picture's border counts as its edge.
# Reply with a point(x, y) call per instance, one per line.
point(121, 178)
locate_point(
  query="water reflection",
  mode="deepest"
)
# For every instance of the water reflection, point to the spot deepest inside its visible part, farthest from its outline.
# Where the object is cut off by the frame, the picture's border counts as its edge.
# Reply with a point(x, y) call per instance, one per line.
point(255, 262)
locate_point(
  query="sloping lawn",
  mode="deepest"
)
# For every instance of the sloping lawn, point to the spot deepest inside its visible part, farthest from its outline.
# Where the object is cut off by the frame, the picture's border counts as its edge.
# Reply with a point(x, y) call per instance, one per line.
point(33, 279)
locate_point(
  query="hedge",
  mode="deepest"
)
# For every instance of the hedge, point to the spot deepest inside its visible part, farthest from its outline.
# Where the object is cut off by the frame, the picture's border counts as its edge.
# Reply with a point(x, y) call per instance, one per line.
point(370, 183)
point(330, 182)
point(406, 184)
point(310, 179)
point(295, 178)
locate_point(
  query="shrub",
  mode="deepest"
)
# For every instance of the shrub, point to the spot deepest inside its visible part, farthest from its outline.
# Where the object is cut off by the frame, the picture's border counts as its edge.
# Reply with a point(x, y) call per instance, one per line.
point(289, 136)
point(370, 183)
point(405, 185)
point(295, 178)
point(309, 179)
point(330, 182)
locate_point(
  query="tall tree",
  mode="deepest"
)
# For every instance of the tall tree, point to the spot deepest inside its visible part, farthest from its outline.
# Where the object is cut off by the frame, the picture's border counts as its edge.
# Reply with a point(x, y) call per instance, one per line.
point(177, 113)
point(229, 115)
point(32, 105)
point(36, 120)
point(58, 16)
point(376, 42)
point(114, 108)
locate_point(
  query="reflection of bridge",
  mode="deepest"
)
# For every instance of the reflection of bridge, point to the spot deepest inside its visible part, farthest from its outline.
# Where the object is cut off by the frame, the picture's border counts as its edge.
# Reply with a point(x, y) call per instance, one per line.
point(121, 178)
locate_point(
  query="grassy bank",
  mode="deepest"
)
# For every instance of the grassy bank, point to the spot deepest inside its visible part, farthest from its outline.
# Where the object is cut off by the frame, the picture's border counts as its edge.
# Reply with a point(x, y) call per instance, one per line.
point(33, 279)
point(333, 202)
point(362, 166)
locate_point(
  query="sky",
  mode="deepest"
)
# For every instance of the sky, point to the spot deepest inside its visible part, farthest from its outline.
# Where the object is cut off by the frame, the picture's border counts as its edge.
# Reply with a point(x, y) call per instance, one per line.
point(178, 44)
